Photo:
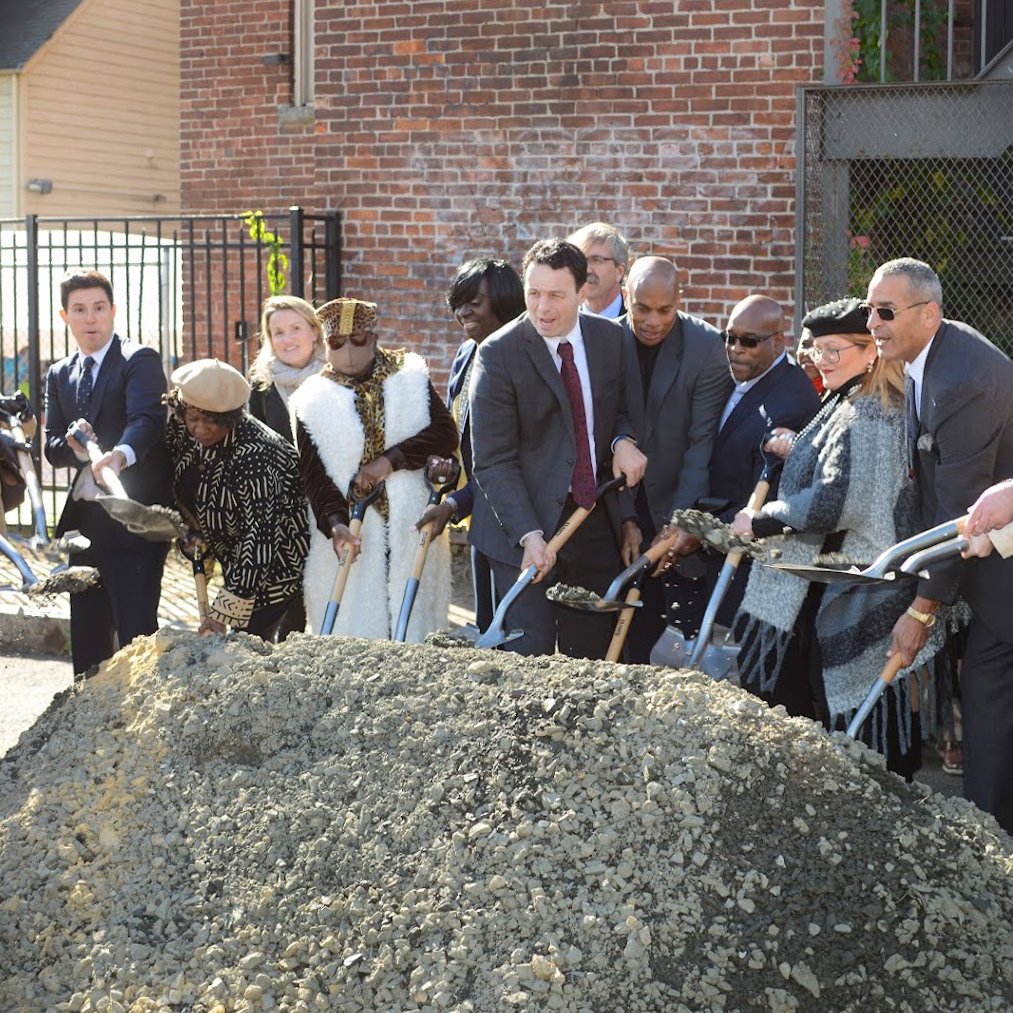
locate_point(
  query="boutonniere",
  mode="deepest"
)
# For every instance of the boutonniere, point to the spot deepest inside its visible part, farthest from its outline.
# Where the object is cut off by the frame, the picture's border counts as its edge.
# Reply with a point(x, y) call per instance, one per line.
point(925, 442)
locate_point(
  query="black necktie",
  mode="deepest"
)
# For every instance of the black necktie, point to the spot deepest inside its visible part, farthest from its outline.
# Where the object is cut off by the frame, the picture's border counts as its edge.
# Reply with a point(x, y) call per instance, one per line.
point(84, 387)
point(910, 423)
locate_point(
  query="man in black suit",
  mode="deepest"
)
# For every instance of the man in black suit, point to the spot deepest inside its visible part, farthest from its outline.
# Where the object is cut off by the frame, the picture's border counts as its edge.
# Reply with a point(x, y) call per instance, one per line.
point(548, 409)
point(113, 390)
point(960, 442)
point(764, 377)
point(676, 394)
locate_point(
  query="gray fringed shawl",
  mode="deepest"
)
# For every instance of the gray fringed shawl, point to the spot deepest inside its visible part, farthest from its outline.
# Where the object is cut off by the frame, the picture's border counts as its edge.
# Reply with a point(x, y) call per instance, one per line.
point(845, 473)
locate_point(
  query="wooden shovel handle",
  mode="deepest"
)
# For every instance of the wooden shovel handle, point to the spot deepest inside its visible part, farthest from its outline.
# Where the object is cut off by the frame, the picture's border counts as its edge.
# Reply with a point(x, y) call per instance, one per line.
point(622, 626)
point(893, 665)
point(756, 500)
point(568, 528)
point(425, 540)
point(27, 465)
point(201, 582)
point(341, 579)
point(659, 549)
point(108, 477)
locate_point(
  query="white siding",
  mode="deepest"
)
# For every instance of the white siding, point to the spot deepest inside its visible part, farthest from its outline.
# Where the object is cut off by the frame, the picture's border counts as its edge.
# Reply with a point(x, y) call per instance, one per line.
point(8, 146)
point(101, 101)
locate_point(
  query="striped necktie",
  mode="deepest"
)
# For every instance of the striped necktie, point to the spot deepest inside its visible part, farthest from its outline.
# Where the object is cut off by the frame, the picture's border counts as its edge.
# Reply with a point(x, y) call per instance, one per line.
point(84, 388)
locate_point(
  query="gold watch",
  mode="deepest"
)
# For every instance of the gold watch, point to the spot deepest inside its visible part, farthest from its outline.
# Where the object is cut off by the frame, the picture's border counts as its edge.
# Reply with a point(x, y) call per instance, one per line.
point(927, 619)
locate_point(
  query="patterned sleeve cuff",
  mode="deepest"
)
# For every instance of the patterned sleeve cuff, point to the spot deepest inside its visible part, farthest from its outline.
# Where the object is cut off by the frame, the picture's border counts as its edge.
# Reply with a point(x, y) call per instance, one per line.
point(231, 610)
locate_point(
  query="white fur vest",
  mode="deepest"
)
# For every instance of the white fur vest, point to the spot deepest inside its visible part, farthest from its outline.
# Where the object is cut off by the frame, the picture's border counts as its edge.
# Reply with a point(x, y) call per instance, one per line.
point(376, 582)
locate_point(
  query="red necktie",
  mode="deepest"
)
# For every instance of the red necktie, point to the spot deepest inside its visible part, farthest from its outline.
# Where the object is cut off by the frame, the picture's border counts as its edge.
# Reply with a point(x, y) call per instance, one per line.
point(582, 484)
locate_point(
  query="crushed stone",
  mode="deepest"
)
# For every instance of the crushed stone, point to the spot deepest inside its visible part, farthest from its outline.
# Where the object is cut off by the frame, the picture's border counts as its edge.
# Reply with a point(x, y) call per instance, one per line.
point(571, 593)
point(216, 825)
point(717, 535)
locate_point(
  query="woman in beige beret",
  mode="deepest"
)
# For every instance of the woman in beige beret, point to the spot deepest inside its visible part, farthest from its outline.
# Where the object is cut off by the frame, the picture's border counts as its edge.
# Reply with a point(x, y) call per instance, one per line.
point(237, 482)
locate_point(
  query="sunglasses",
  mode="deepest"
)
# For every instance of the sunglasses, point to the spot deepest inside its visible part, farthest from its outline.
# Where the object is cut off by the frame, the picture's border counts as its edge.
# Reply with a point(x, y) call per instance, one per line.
point(745, 342)
point(885, 313)
point(358, 338)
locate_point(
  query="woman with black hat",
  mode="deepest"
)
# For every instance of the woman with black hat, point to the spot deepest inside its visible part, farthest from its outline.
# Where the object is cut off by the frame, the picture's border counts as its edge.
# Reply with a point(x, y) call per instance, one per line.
point(371, 416)
point(817, 648)
point(238, 482)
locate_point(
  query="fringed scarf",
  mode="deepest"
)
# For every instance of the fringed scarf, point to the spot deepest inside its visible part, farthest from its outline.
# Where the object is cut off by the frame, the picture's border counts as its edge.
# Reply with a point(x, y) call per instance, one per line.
point(369, 405)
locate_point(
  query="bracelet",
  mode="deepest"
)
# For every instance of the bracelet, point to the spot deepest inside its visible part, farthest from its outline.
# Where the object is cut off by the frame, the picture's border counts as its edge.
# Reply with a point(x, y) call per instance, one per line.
point(927, 619)
point(454, 509)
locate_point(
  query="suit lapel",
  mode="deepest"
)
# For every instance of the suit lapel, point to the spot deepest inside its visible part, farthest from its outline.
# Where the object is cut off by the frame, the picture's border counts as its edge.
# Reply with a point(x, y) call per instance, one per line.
point(666, 369)
point(751, 401)
point(109, 365)
point(541, 359)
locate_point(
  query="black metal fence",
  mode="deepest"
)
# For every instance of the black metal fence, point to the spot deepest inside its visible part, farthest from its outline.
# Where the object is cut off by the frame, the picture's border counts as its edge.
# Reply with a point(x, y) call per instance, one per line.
point(921, 171)
point(190, 287)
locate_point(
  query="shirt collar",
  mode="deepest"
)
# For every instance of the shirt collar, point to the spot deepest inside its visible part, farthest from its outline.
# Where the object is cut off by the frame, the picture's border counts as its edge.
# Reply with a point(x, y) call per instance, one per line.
point(741, 388)
point(611, 311)
point(916, 369)
point(575, 337)
point(98, 356)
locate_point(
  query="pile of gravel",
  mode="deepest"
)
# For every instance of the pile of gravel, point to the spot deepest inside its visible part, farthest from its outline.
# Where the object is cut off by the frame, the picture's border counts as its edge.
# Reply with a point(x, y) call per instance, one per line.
point(336, 825)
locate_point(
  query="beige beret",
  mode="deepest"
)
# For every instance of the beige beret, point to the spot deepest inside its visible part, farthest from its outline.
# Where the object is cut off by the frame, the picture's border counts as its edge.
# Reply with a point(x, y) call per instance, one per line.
point(211, 386)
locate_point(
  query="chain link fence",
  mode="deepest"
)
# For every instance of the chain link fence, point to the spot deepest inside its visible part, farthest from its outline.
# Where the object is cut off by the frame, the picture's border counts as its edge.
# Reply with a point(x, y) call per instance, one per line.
point(921, 171)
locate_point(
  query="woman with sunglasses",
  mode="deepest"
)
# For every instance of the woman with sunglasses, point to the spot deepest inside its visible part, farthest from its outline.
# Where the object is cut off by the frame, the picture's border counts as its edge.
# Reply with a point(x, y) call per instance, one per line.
point(817, 648)
point(370, 416)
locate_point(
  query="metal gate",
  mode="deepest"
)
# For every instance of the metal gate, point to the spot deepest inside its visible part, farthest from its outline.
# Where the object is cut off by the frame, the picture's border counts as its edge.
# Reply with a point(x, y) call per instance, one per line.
point(921, 171)
point(190, 287)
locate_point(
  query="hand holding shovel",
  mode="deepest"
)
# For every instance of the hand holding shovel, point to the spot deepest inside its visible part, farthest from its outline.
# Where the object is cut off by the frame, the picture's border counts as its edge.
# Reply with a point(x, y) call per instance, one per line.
point(194, 548)
point(441, 476)
point(345, 558)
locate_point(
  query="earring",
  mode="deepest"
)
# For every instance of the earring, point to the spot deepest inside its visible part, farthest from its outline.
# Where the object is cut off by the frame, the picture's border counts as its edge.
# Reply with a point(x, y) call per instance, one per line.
point(870, 365)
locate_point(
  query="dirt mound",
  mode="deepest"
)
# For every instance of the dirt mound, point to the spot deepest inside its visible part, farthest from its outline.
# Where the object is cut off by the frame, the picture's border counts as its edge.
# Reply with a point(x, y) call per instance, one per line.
point(340, 825)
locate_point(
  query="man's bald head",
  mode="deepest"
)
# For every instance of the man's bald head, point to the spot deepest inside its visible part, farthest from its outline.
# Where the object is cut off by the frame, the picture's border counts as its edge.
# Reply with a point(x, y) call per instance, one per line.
point(652, 298)
point(757, 318)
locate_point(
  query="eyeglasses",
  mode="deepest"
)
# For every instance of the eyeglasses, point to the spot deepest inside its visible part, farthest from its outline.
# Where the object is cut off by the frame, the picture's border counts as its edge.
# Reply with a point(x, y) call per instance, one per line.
point(596, 261)
point(885, 313)
point(832, 355)
point(746, 342)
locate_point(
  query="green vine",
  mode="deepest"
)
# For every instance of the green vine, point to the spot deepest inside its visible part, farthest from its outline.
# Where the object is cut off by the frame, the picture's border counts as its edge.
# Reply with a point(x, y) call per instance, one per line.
point(866, 26)
point(277, 262)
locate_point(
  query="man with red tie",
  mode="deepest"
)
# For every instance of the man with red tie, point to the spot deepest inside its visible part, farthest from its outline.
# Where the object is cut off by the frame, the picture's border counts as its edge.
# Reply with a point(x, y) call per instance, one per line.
point(548, 411)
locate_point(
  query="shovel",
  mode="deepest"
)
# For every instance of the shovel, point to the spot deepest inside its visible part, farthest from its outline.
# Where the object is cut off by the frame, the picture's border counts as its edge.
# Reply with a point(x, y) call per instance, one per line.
point(71, 578)
point(436, 493)
point(341, 578)
point(886, 565)
point(495, 635)
point(672, 648)
point(40, 540)
point(196, 553)
point(153, 523)
point(889, 673)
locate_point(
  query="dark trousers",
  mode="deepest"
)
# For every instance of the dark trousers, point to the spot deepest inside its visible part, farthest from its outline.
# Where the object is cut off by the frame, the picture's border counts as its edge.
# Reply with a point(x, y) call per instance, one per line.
point(271, 622)
point(124, 603)
point(590, 559)
point(482, 582)
point(986, 688)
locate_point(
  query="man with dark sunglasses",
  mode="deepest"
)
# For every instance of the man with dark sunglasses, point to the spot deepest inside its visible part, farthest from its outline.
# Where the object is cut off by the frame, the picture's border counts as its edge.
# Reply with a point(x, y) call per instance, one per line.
point(960, 442)
point(766, 378)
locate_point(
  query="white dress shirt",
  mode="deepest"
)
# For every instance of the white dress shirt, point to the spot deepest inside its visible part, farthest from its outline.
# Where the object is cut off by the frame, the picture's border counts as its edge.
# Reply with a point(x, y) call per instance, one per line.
point(612, 311)
point(97, 359)
point(916, 370)
point(740, 389)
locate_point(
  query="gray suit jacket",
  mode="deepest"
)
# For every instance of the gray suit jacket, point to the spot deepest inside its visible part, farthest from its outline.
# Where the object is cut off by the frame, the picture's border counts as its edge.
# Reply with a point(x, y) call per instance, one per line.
point(522, 434)
point(965, 444)
point(677, 418)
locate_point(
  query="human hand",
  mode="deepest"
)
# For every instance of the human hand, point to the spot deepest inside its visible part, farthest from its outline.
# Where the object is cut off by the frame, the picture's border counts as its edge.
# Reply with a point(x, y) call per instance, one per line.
point(981, 546)
point(85, 427)
point(629, 461)
point(17, 404)
point(209, 627)
point(909, 634)
point(743, 523)
point(10, 447)
point(371, 475)
point(342, 539)
point(192, 546)
point(439, 516)
point(441, 471)
point(538, 554)
point(992, 509)
point(631, 541)
point(114, 460)
point(780, 442)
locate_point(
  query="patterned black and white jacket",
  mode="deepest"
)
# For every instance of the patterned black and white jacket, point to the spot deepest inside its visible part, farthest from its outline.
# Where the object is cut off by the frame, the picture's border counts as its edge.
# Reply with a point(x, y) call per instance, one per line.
point(246, 495)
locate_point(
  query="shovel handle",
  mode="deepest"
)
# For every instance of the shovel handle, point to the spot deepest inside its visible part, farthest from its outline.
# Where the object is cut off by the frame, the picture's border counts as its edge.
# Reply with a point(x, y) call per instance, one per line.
point(108, 477)
point(568, 528)
point(201, 582)
point(422, 550)
point(756, 500)
point(622, 626)
point(341, 579)
point(31, 480)
point(879, 687)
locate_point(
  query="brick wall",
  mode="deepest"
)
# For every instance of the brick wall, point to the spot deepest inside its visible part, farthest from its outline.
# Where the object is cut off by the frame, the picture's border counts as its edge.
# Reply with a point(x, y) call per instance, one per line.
point(453, 128)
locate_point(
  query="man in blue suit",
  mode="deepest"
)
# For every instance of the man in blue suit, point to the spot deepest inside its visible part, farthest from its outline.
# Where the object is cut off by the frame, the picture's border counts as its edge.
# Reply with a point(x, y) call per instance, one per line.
point(764, 377)
point(112, 389)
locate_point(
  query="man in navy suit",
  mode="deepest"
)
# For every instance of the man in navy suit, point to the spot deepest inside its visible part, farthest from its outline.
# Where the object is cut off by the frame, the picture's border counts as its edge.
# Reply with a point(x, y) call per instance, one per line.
point(764, 377)
point(112, 389)
point(548, 410)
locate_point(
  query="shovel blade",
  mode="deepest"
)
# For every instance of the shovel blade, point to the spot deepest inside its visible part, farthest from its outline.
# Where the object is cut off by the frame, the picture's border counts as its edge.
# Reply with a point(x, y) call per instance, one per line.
point(151, 523)
point(496, 637)
point(672, 649)
point(718, 661)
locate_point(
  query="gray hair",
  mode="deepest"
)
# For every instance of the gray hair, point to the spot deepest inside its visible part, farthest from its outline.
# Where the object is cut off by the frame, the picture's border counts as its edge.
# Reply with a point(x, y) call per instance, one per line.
point(602, 232)
point(922, 281)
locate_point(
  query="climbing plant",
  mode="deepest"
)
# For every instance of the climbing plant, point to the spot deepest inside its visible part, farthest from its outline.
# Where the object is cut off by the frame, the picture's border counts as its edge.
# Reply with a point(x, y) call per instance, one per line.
point(277, 262)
